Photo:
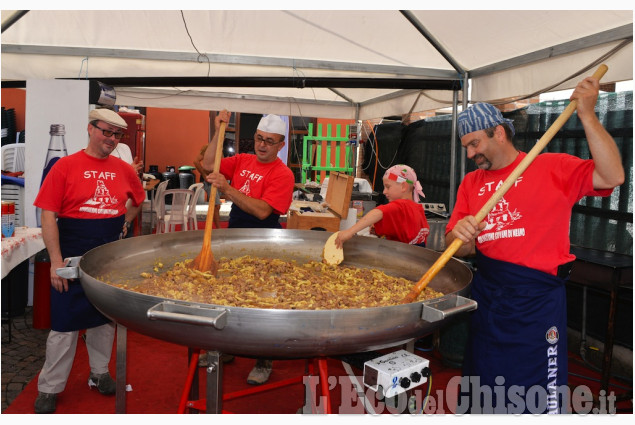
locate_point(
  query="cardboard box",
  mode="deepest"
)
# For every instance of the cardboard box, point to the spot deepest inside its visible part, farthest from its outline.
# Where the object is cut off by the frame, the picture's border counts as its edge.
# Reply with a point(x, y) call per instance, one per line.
point(338, 198)
point(359, 207)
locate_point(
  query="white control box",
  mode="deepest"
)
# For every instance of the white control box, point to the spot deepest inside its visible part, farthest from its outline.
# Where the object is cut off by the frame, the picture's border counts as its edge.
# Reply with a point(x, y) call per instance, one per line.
point(395, 373)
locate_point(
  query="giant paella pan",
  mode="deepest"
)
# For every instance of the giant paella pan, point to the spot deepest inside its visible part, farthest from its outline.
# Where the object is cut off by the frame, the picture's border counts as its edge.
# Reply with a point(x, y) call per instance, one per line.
point(271, 333)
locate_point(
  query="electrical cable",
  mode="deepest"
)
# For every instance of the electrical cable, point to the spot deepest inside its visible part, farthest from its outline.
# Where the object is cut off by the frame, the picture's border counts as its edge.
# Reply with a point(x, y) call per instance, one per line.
point(198, 59)
point(293, 100)
point(415, 102)
point(373, 151)
point(425, 350)
point(372, 129)
point(180, 92)
point(376, 152)
point(425, 400)
point(301, 75)
point(82, 67)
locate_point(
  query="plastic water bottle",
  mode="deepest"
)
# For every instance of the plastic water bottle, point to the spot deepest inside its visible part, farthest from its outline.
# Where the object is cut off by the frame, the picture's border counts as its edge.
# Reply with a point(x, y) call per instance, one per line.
point(8, 219)
point(56, 150)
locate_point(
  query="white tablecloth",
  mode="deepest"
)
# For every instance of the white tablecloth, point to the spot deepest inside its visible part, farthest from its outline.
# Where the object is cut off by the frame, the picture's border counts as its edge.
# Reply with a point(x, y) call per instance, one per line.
point(26, 242)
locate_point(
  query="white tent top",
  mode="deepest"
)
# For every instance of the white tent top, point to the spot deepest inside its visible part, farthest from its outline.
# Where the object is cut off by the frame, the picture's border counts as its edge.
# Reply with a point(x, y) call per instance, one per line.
point(355, 64)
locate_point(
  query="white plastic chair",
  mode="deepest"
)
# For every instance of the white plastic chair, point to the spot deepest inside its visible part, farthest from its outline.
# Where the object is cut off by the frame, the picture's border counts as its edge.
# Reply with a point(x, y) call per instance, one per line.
point(194, 187)
point(13, 157)
point(192, 221)
point(157, 198)
point(177, 212)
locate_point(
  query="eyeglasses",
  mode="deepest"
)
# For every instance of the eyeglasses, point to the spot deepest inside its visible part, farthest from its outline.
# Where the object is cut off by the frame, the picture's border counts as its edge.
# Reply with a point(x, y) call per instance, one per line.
point(108, 133)
point(269, 141)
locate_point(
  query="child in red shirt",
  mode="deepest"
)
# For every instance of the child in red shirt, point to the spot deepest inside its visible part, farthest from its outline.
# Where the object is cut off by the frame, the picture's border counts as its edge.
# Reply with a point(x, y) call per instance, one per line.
point(402, 218)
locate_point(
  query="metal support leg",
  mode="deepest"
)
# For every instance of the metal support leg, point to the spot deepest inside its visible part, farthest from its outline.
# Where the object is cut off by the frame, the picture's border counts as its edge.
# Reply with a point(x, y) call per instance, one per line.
point(309, 397)
point(583, 329)
point(410, 346)
point(609, 336)
point(120, 382)
point(194, 393)
point(214, 383)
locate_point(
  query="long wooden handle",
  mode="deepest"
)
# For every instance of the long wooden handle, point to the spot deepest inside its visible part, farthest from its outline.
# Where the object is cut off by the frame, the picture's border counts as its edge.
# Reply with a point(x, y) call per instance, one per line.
point(500, 192)
point(209, 219)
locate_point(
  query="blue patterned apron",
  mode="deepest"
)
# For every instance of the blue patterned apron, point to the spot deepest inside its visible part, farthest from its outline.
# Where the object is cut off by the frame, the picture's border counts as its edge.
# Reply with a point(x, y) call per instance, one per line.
point(71, 311)
point(518, 337)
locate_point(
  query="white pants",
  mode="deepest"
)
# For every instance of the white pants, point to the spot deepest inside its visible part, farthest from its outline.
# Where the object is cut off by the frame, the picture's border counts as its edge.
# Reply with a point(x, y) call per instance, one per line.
point(60, 354)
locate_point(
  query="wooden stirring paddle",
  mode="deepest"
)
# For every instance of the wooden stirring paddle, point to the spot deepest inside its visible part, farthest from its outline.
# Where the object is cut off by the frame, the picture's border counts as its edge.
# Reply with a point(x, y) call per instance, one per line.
point(491, 203)
point(205, 261)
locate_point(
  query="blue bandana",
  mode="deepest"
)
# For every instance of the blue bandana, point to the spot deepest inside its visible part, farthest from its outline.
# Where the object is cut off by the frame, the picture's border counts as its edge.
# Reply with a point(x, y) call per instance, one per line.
point(481, 116)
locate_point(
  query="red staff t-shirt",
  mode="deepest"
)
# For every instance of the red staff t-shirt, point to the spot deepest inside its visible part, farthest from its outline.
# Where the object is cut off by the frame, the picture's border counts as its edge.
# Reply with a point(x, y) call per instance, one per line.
point(82, 186)
point(271, 182)
point(404, 220)
point(530, 225)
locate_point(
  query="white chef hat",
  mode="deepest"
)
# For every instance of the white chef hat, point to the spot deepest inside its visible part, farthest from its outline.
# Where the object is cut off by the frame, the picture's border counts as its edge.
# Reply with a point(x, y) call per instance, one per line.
point(272, 124)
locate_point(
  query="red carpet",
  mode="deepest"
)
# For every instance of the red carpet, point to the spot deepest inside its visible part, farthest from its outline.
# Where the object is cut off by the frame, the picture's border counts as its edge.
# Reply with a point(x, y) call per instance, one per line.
point(157, 373)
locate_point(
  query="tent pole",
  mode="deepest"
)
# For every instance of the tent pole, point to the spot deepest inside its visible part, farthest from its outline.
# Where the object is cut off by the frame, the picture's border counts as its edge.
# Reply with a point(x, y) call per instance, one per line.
point(358, 134)
point(453, 149)
point(466, 83)
point(453, 153)
point(13, 19)
point(432, 40)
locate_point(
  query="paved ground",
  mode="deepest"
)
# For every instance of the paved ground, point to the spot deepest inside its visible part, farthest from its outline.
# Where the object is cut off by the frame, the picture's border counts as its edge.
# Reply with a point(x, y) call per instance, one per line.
point(23, 357)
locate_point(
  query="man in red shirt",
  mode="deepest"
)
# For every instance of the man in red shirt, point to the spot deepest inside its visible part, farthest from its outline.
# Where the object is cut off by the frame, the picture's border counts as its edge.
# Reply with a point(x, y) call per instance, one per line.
point(261, 189)
point(83, 201)
point(517, 343)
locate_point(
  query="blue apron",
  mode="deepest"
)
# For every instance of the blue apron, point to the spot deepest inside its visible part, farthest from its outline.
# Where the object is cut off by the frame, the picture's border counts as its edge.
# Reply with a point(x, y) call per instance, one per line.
point(518, 337)
point(71, 311)
point(239, 218)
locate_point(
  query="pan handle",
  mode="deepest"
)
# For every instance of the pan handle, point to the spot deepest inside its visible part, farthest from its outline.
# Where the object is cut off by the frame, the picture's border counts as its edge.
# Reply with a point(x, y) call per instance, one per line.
point(71, 271)
point(447, 306)
point(170, 311)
